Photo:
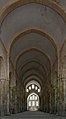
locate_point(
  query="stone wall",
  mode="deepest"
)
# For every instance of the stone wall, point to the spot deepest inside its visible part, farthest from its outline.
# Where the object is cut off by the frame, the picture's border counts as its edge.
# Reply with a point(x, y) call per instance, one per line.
point(3, 79)
point(53, 92)
point(17, 92)
point(12, 90)
point(46, 94)
point(54, 88)
point(63, 75)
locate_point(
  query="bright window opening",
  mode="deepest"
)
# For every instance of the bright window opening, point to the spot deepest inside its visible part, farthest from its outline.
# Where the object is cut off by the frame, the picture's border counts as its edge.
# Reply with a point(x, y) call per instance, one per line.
point(33, 86)
point(29, 103)
point(37, 103)
point(26, 90)
point(33, 102)
point(29, 87)
point(38, 90)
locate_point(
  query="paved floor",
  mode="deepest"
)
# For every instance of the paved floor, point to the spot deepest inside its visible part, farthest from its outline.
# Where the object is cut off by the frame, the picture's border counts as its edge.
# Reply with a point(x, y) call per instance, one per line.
point(33, 115)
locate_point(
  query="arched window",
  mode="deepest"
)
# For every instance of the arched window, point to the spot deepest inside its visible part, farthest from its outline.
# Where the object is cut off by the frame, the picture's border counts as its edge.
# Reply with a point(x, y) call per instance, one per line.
point(33, 90)
point(33, 85)
point(33, 102)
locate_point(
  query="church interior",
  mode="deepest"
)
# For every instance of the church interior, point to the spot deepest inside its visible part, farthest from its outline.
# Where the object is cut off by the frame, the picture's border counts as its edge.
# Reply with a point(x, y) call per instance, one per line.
point(33, 57)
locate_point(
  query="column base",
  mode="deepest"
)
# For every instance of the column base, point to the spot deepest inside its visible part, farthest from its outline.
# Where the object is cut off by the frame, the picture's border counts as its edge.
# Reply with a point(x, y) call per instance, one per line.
point(7, 114)
point(64, 113)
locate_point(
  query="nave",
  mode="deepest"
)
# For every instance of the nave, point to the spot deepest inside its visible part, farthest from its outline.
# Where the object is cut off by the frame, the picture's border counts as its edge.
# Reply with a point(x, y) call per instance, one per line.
point(33, 115)
point(32, 58)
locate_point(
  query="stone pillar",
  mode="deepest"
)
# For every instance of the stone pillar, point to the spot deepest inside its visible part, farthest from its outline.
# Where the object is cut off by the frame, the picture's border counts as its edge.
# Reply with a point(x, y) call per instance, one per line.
point(14, 100)
point(7, 86)
point(64, 104)
point(1, 98)
point(60, 95)
point(44, 103)
point(55, 100)
point(50, 102)
point(64, 86)
point(11, 103)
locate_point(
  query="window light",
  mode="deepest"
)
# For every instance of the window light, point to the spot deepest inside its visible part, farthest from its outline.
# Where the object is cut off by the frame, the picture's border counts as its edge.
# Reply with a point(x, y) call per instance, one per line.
point(38, 90)
point(37, 103)
point(29, 87)
point(29, 103)
point(26, 90)
point(32, 86)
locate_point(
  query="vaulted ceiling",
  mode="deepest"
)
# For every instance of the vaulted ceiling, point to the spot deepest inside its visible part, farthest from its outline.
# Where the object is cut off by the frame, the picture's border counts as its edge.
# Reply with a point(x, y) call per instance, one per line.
point(33, 32)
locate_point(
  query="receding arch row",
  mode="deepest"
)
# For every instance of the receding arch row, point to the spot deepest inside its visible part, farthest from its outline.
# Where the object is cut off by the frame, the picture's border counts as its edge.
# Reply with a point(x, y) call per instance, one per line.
point(32, 49)
point(35, 61)
point(32, 30)
point(33, 77)
point(35, 70)
point(17, 3)
point(21, 68)
point(30, 77)
point(31, 82)
point(28, 31)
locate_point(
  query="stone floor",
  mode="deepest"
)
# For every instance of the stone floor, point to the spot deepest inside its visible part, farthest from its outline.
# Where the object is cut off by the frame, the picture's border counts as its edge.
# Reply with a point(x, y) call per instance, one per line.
point(33, 115)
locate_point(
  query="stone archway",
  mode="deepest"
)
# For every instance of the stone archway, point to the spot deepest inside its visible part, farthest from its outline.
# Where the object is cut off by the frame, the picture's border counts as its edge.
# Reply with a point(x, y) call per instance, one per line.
point(33, 95)
point(33, 102)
